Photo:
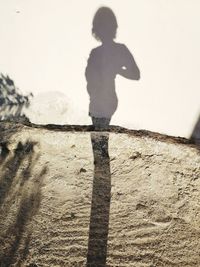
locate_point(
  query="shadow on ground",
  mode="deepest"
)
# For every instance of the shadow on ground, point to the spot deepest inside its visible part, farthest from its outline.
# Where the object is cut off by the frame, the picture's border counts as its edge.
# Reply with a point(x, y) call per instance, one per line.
point(20, 197)
point(100, 207)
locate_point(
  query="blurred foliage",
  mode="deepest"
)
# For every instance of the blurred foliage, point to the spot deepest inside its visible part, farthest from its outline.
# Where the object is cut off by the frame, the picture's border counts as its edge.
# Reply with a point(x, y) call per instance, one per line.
point(12, 101)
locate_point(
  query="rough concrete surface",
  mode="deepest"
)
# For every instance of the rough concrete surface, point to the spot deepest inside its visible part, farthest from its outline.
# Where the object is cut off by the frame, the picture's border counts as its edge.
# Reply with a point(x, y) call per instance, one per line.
point(71, 196)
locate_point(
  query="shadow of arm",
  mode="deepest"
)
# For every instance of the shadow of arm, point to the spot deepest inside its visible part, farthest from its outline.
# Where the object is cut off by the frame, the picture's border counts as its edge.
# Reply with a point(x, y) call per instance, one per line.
point(129, 68)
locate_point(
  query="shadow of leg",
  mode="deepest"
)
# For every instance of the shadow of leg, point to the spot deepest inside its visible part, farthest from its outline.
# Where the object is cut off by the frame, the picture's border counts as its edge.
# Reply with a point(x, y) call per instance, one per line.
point(100, 207)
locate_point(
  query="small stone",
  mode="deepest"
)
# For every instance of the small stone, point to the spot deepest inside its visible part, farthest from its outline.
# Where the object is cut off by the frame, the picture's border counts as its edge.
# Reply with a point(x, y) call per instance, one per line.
point(140, 206)
point(72, 215)
point(83, 170)
point(135, 155)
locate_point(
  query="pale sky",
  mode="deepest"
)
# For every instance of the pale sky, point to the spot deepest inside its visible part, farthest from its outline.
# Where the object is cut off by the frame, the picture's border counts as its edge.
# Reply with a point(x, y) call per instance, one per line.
point(45, 45)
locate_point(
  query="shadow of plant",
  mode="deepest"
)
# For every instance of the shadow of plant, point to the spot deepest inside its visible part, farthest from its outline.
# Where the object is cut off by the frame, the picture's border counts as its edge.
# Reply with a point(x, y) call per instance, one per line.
point(195, 136)
point(20, 197)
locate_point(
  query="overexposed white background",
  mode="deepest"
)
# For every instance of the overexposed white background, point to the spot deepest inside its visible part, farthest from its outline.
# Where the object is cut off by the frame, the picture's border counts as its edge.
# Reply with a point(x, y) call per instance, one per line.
point(45, 45)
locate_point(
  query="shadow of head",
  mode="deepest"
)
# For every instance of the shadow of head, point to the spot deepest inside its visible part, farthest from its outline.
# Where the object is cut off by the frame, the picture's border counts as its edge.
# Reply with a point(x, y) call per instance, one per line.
point(104, 24)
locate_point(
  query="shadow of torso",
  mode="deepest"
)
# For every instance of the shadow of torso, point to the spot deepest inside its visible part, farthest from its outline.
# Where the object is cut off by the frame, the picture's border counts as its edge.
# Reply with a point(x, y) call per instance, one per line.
point(103, 65)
